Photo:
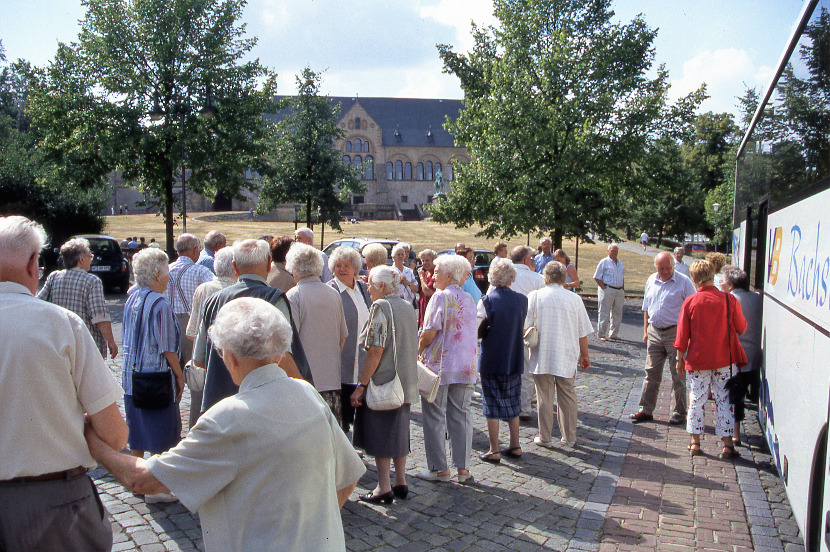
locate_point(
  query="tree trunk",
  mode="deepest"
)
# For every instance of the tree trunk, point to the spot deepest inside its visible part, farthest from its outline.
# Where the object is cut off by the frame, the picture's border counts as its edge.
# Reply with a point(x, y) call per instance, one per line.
point(556, 238)
point(168, 216)
point(308, 214)
point(659, 237)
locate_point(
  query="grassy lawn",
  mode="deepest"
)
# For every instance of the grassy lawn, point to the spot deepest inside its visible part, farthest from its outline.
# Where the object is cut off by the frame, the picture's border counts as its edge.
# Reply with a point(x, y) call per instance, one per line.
point(419, 234)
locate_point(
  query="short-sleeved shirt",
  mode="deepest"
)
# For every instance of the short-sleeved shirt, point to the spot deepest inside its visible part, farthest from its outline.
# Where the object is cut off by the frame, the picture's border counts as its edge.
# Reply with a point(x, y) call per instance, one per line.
point(682, 268)
point(455, 347)
point(51, 373)
point(82, 293)
point(663, 300)
point(185, 277)
point(540, 260)
point(206, 259)
point(263, 468)
point(203, 293)
point(149, 330)
point(611, 273)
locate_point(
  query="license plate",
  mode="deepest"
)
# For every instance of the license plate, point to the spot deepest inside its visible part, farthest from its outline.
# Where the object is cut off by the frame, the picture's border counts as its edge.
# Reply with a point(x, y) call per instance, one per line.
point(99, 269)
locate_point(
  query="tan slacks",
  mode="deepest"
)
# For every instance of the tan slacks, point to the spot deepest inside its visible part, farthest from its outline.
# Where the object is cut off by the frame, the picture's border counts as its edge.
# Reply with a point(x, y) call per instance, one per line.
point(659, 349)
point(555, 390)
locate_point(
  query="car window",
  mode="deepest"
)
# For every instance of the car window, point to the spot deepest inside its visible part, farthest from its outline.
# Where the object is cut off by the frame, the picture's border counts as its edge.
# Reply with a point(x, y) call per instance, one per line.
point(103, 248)
point(484, 257)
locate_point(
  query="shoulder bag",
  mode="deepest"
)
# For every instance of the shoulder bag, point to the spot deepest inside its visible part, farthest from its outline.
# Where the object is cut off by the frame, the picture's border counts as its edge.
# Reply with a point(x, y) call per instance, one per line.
point(151, 390)
point(732, 385)
point(531, 335)
point(387, 396)
point(428, 381)
point(487, 323)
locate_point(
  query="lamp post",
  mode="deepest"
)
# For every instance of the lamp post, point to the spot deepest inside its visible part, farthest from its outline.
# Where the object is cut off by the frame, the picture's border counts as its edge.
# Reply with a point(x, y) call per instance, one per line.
point(207, 112)
point(716, 208)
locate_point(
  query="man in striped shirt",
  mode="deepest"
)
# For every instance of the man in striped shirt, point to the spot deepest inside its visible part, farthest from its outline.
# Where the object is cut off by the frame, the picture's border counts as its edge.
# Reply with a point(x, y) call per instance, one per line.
point(185, 277)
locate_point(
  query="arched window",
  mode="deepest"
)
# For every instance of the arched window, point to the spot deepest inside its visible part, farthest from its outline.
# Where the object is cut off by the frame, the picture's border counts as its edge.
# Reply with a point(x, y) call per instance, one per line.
point(407, 171)
point(390, 171)
point(448, 173)
point(428, 174)
point(346, 160)
point(357, 162)
point(348, 146)
point(366, 146)
point(398, 170)
point(357, 124)
point(358, 145)
point(419, 172)
point(369, 173)
point(438, 168)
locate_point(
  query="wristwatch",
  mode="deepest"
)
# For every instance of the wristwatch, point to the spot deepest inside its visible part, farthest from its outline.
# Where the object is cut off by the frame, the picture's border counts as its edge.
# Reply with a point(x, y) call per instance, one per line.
point(363, 385)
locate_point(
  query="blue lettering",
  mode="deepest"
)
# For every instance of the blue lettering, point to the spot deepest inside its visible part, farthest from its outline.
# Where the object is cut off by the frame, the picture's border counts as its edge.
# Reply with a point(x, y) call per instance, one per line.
point(793, 273)
point(825, 269)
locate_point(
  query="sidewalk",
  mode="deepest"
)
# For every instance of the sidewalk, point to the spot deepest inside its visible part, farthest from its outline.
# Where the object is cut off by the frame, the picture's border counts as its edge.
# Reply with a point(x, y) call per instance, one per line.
point(624, 486)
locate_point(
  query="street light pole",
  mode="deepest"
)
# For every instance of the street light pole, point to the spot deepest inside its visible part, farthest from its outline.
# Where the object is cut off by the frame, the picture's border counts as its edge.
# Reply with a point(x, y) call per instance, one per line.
point(716, 208)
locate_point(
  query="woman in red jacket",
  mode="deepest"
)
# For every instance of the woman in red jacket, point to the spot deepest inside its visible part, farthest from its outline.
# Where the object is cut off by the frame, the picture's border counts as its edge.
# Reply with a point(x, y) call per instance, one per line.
point(707, 345)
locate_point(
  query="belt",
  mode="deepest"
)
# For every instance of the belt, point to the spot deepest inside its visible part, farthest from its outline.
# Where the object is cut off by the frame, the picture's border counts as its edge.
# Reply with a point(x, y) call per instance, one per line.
point(54, 476)
point(667, 328)
point(613, 287)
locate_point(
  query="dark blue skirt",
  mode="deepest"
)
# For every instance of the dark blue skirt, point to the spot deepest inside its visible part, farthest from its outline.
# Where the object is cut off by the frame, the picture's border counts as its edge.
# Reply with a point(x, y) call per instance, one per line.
point(501, 396)
point(153, 430)
point(382, 433)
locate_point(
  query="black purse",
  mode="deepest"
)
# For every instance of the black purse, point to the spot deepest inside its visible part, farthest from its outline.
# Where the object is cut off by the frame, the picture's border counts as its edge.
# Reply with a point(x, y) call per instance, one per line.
point(733, 384)
point(151, 390)
point(486, 324)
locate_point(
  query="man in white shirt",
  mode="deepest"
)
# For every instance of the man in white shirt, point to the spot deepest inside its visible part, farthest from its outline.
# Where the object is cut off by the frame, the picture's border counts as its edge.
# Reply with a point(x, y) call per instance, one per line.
point(53, 376)
point(679, 265)
point(610, 278)
point(664, 294)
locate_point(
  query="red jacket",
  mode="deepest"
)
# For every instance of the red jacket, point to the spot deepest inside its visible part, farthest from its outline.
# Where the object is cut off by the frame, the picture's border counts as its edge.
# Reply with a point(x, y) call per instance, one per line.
point(701, 330)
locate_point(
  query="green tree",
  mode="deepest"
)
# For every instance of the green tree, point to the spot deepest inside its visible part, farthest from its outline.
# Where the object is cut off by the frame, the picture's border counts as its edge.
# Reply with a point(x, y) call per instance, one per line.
point(709, 151)
point(307, 169)
point(558, 105)
point(90, 105)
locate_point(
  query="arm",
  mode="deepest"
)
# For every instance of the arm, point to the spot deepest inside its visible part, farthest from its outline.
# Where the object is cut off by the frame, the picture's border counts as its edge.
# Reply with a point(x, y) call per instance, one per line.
point(574, 276)
point(344, 493)
point(584, 360)
point(427, 337)
point(106, 330)
point(370, 366)
point(130, 471)
point(108, 422)
point(645, 326)
point(173, 361)
point(599, 282)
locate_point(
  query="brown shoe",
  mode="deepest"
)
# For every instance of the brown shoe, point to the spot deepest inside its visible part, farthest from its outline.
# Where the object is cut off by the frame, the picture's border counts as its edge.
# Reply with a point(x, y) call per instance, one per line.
point(677, 419)
point(640, 416)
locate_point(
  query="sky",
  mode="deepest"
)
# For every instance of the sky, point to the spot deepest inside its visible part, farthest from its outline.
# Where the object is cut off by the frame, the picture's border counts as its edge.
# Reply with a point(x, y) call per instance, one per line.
point(387, 47)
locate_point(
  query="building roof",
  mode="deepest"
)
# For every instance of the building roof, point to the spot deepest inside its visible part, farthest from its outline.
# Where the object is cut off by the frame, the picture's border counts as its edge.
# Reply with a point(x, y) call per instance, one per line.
point(405, 121)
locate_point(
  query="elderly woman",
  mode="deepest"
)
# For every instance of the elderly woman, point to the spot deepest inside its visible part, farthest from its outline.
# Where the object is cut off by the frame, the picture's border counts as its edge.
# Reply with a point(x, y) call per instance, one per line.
point(707, 346)
point(500, 249)
point(390, 339)
point(266, 468)
point(448, 346)
point(736, 282)
point(502, 312)
point(374, 255)
point(426, 275)
point(344, 263)
point(571, 276)
point(318, 314)
point(81, 292)
point(279, 277)
point(562, 322)
point(408, 287)
point(150, 339)
point(718, 261)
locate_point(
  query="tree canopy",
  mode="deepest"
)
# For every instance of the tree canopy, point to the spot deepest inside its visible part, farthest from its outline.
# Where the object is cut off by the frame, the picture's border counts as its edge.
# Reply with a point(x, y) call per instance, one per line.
point(558, 105)
point(307, 169)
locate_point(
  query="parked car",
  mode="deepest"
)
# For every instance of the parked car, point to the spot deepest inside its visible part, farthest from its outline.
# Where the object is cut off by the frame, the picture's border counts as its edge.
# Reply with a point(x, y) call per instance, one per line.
point(108, 262)
point(359, 243)
point(691, 247)
point(481, 270)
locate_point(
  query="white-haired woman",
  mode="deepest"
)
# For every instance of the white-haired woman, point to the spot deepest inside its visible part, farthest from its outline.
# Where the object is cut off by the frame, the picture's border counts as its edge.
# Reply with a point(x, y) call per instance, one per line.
point(448, 345)
point(150, 339)
point(318, 314)
point(273, 448)
point(390, 339)
point(502, 312)
point(408, 286)
point(374, 255)
point(344, 263)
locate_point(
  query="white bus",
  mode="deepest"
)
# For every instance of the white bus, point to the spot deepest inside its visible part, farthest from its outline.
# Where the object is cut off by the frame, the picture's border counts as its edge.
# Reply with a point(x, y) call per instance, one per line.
point(781, 238)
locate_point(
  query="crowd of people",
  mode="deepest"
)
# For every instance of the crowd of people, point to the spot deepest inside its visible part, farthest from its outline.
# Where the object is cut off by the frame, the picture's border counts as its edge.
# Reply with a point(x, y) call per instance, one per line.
point(284, 350)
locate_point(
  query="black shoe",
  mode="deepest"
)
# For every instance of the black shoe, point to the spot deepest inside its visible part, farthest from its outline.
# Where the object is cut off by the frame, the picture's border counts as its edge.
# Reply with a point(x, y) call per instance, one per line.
point(640, 416)
point(386, 498)
point(401, 491)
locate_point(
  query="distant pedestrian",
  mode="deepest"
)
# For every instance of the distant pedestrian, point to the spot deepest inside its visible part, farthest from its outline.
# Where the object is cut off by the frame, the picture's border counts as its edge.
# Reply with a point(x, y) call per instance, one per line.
point(154, 244)
point(644, 239)
point(610, 278)
point(126, 210)
point(120, 209)
point(112, 210)
point(500, 249)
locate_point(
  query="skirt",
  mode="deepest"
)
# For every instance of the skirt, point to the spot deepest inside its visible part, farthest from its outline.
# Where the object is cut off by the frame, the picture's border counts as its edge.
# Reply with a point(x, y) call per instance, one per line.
point(382, 433)
point(153, 430)
point(501, 396)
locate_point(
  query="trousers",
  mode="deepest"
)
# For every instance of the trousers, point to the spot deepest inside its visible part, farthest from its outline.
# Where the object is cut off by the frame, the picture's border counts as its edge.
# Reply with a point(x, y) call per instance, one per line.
point(449, 415)
point(610, 302)
point(659, 348)
point(555, 390)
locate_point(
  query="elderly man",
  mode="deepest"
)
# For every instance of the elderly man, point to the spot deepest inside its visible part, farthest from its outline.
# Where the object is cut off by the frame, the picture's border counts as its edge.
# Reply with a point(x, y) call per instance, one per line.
point(610, 278)
point(251, 263)
point(52, 377)
point(185, 277)
point(81, 292)
point(679, 265)
point(526, 281)
point(664, 295)
point(306, 236)
point(214, 241)
point(543, 258)
point(267, 469)
point(563, 326)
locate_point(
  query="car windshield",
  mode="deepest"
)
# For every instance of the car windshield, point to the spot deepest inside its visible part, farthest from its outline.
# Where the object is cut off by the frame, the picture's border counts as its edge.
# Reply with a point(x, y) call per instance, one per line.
point(106, 249)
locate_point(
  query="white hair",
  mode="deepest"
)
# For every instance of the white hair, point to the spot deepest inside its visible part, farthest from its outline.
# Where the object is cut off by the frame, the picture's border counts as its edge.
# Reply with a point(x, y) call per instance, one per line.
point(429, 253)
point(73, 251)
point(214, 238)
point(186, 242)
point(555, 273)
point(454, 265)
point(398, 247)
point(405, 246)
point(20, 238)
point(248, 254)
point(386, 275)
point(250, 328)
point(307, 232)
point(345, 253)
point(502, 272)
point(375, 253)
point(148, 264)
point(303, 260)
point(222, 263)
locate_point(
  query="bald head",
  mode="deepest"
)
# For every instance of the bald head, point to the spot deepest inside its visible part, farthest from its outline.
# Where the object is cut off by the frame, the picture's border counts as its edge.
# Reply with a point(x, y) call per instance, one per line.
point(664, 264)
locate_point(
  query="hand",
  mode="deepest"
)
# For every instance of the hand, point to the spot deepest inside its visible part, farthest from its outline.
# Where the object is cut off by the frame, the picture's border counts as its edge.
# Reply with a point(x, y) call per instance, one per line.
point(113, 348)
point(681, 368)
point(357, 396)
point(179, 387)
point(645, 336)
point(584, 362)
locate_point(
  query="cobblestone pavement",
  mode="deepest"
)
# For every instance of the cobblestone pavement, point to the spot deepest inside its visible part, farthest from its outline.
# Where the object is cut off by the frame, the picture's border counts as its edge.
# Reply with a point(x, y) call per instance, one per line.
point(623, 487)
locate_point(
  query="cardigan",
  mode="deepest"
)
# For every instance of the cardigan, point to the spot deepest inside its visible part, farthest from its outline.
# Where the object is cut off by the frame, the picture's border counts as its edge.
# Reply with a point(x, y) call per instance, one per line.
point(702, 330)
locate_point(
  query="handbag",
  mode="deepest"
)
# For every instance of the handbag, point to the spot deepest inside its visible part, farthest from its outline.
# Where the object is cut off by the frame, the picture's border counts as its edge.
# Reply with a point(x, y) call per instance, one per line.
point(486, 324)
point(194, 376)
point(151, 390)
point(387, 396)
point(531, 335)
point(733, 384)
point(428, 381)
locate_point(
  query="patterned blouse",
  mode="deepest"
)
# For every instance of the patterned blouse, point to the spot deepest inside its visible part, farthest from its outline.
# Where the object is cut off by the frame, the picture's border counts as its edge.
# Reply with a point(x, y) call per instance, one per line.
point(456, 340)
